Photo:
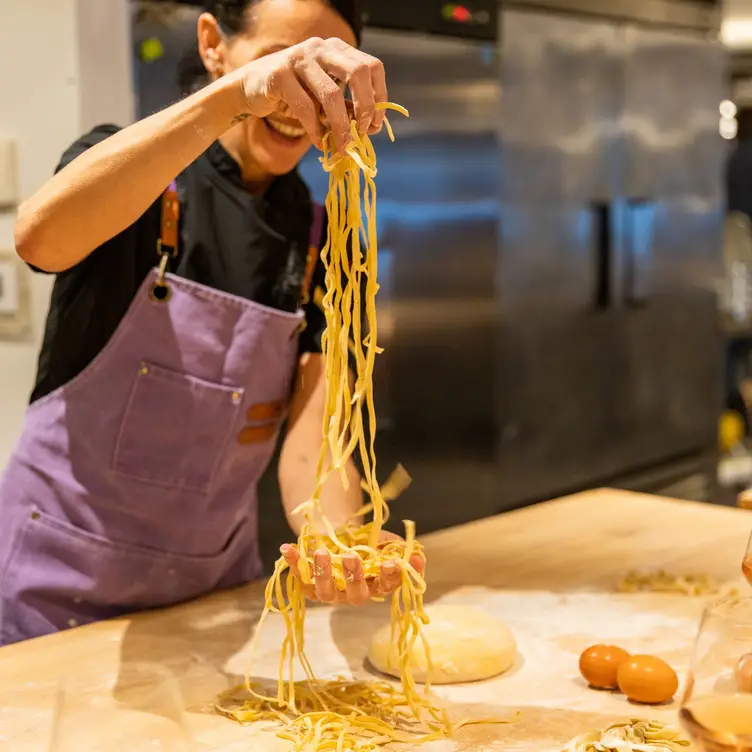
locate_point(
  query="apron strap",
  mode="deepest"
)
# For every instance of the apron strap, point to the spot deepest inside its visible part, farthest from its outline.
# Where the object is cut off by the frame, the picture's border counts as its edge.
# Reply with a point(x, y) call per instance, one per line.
point(167, 244)
point(170, 218)
point(314, 251)
point(317, 226)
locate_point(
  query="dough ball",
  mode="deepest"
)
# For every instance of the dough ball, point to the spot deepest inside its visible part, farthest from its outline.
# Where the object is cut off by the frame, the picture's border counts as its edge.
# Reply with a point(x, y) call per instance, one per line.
point(465, 644)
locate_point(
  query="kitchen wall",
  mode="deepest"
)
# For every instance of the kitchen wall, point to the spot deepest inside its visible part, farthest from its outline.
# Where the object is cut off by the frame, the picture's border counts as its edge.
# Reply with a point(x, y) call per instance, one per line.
point(66, 65)
point(736, 30)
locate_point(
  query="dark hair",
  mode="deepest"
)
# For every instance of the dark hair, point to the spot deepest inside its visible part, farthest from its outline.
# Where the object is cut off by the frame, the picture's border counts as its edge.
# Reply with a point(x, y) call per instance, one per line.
point(232, 17)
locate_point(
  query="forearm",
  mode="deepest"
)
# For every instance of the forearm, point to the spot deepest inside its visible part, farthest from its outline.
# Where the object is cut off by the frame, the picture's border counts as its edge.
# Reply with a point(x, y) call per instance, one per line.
point(111, 185)
point(297, 479)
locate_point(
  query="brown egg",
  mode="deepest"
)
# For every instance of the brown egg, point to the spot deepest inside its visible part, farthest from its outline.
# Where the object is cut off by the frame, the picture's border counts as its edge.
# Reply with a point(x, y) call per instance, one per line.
point(646, 679)
point(599, 664)
point(744, 673)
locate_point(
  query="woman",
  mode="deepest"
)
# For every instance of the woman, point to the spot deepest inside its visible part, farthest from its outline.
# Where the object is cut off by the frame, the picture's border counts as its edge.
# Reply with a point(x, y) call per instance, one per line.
point(159, 396)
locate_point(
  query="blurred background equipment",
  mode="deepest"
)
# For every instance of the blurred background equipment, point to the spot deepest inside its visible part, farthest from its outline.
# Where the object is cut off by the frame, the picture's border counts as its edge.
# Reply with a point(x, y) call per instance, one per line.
point(735, 469)
point(611, 226)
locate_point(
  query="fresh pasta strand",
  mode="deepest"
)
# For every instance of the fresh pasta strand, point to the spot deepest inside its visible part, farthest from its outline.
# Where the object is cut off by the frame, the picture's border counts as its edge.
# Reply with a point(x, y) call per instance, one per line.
point(315, 715)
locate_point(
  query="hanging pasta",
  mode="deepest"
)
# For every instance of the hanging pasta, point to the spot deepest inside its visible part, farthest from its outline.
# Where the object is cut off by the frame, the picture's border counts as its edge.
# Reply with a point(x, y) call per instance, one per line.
point(348, 715)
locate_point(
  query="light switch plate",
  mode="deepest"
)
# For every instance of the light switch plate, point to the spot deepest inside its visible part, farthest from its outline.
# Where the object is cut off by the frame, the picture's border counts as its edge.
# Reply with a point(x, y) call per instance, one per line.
point(9, 190)
point(15, 299)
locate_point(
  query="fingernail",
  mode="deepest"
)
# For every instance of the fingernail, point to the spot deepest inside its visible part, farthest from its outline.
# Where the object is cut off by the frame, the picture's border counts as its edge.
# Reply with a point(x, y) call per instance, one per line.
point(320, 560)
point(284, 549)
point(350, 566)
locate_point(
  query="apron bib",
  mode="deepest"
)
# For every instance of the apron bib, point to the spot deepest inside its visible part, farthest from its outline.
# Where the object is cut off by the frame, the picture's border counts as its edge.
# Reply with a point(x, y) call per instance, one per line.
point(133, 486)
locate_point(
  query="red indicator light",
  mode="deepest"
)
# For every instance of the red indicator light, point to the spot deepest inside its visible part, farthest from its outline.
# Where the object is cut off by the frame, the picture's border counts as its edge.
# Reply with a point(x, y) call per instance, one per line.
point(461, 14)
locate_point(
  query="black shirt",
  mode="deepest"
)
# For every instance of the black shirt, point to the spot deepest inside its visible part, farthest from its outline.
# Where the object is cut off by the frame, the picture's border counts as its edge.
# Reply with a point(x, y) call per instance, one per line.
point(251, 246)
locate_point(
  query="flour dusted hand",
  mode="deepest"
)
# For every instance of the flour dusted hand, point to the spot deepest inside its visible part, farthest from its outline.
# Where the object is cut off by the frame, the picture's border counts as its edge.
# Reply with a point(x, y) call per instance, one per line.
point(305, 81)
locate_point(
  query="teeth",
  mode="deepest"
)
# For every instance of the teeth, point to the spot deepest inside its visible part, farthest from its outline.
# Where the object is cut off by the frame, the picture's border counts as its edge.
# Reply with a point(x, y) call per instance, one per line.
point(286, 130)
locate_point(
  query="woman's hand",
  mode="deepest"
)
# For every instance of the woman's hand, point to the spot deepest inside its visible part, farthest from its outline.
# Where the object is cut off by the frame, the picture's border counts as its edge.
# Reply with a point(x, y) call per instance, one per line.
point(304, 81)
point(359, 590)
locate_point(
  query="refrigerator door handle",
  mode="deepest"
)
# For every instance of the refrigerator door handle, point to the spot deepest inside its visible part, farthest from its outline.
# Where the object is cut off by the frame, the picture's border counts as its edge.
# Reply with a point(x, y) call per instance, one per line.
point(603, 244)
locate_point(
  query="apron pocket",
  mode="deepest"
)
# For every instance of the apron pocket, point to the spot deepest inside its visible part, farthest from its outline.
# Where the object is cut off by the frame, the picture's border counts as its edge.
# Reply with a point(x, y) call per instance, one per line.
point(175, 429)
point(60, 576)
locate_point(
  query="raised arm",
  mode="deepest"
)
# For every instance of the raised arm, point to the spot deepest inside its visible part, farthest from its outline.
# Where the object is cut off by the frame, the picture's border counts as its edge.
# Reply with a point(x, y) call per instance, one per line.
point(112, 184)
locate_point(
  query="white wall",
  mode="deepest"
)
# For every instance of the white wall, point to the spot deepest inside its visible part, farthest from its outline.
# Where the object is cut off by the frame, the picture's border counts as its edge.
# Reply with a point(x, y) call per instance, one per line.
point(736, 30)
point(66, 65)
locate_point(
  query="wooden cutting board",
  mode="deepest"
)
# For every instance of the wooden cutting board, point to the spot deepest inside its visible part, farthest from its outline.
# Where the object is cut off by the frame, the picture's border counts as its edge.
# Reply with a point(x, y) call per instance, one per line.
point(549, 571)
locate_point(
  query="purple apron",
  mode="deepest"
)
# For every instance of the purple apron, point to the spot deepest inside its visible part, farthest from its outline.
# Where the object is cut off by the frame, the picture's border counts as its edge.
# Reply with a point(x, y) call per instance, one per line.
point(134, 485)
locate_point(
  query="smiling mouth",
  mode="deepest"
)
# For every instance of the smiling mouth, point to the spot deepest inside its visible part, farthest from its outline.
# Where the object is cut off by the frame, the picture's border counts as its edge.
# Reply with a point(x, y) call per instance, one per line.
point(286, 130)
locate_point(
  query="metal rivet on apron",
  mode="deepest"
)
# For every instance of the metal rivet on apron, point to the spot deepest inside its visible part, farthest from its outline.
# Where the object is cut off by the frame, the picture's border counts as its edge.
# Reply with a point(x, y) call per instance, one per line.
point(35, 515)
point(236, 397)
point(144, 370)
point(72, 623)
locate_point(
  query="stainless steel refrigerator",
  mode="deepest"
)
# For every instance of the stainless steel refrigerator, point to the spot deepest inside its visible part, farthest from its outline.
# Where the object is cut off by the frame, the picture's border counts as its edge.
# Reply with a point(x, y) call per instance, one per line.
point(610, 356)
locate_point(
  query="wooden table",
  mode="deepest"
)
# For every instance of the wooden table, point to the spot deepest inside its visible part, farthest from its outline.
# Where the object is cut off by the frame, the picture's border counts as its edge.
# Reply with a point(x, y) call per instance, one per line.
point(549, 571)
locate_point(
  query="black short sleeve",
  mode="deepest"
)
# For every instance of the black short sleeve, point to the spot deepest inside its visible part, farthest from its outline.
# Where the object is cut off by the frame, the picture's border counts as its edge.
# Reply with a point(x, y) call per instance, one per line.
point(75, 150)
point(89, 300)
point(310, 338)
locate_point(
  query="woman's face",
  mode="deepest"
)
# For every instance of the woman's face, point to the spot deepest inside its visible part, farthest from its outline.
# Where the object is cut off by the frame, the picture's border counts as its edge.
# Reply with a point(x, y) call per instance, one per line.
point(275, 144)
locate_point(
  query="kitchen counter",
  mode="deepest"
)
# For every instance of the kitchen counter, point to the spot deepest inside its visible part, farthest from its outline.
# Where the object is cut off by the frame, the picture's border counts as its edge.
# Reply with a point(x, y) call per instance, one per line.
point(550, 571)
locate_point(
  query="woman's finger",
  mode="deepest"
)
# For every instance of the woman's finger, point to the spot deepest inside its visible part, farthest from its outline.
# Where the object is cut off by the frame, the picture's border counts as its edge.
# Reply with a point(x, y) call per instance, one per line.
point(356, 587)
point(389, 577)
point(364, 75)
point(354, 67)
point(380, 93)
point(300, 105)
point(329, 96)
point(292, 557)
point(322, 576)
point(418, 563)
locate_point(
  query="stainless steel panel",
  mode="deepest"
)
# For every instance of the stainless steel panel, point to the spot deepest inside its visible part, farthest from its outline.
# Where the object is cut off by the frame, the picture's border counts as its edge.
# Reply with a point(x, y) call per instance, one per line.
point(673, 169)
point(691, 14)
point(560, 169)
point(610, 233)
point(438, 234)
